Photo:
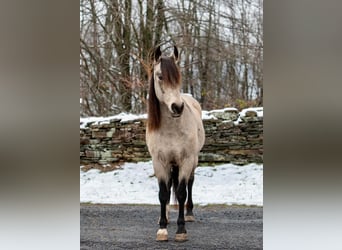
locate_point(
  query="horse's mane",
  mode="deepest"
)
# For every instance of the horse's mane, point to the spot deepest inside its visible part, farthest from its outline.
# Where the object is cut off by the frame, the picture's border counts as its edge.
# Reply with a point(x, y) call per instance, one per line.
point(171, 76)
point(153, 108)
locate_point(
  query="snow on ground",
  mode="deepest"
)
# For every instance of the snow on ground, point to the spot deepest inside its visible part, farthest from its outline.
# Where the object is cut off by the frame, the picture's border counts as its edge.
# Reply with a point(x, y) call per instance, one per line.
point(222, 184)
point(135, 184)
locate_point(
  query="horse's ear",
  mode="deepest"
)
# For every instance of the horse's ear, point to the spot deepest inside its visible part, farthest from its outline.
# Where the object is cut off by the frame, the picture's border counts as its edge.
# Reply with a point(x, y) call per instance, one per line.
point(175, 53)
point(157, 54)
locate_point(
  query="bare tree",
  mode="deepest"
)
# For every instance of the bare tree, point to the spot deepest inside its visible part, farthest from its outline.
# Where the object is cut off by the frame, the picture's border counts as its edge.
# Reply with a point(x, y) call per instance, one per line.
point(220, 42)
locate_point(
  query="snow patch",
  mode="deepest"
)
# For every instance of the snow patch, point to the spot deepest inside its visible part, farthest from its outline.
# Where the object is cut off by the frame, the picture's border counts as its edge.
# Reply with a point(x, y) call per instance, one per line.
point(135, 184)
point(259, 111)
point(124, 117)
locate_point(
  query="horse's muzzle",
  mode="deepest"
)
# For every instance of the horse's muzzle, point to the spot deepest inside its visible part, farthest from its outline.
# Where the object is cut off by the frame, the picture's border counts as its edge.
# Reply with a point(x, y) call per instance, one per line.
point(177, 109)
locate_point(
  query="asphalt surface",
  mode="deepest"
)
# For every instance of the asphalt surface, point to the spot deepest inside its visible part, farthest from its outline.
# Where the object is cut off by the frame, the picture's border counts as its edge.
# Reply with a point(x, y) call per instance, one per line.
point(135, 227)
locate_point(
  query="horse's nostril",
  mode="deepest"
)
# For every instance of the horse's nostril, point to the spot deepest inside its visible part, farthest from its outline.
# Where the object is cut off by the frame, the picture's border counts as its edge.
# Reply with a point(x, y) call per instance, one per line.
point(177, 109)
point(174, 108)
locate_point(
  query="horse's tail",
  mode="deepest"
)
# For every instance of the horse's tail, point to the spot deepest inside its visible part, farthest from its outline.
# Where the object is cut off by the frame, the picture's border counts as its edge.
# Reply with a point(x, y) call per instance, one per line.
point(174, 181)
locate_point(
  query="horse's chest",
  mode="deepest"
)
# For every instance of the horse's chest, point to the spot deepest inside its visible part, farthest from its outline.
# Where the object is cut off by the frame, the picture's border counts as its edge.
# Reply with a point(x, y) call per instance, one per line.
point(174, 140)
point(171, 146)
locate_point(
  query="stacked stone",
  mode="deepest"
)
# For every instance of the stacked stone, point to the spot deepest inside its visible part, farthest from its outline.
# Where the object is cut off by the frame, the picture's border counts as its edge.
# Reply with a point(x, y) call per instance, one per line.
point(227, 140)
point(114, 142)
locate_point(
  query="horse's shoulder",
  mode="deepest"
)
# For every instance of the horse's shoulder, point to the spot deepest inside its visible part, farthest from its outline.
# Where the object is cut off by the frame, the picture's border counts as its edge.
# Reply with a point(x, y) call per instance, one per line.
point(193, 103)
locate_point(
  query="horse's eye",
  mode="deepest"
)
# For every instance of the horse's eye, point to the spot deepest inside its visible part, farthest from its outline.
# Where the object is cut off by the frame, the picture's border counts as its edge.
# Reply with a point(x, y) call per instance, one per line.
point(160, 78)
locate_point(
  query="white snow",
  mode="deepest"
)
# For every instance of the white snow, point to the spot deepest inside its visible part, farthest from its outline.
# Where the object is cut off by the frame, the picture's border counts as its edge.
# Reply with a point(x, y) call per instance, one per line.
point(259, 111)
point(103, 120)
point(134, 184)
point(206, 115)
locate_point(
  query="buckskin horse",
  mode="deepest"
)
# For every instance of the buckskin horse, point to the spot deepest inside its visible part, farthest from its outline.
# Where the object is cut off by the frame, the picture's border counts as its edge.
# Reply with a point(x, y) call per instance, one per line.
point(174, 136)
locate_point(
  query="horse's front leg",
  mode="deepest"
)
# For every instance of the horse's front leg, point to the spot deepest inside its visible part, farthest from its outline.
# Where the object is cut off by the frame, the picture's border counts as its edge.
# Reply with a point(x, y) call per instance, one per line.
point(181, 197)
point(189, 206)
point(164, 196)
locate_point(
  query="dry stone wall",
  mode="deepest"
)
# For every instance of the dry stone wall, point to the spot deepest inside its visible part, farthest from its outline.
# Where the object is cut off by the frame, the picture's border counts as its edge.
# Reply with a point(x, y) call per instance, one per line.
point(230, 138)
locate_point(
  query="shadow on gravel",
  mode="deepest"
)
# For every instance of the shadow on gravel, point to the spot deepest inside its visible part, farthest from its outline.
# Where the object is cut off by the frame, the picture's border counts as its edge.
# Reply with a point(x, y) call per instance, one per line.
point(135, 227)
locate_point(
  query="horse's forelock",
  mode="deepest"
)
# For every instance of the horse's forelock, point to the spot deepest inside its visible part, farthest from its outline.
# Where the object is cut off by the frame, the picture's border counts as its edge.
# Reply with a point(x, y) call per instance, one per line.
point(170, 71)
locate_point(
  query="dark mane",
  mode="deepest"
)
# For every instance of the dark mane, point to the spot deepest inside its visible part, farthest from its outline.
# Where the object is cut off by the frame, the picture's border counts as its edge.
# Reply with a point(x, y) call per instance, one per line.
point(171, 75)
point(153, 108)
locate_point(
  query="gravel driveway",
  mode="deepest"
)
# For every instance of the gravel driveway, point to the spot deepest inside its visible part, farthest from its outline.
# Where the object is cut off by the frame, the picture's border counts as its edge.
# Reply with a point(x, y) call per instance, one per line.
point(135, 227)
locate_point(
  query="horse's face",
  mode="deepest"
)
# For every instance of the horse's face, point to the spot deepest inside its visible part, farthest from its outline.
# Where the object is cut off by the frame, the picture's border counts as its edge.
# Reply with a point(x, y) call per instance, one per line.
point(167, 82)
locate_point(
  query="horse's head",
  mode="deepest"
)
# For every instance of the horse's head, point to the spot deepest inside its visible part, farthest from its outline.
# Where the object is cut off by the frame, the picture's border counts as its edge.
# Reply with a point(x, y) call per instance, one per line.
point(167, 81)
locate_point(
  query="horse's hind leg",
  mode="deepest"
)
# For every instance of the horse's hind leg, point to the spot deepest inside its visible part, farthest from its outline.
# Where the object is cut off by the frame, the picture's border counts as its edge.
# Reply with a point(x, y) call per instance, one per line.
point(181, 197)
point(189, 206)
point(164, 196)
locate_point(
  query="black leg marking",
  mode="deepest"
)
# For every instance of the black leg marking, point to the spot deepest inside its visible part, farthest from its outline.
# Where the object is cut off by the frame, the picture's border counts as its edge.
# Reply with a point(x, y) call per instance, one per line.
point(190, 205)
point(164, 196)
point(174, 177)
point(181, 197)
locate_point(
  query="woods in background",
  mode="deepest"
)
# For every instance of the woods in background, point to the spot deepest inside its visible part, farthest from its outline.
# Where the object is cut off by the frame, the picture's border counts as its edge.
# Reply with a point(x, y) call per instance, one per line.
point(220, 44)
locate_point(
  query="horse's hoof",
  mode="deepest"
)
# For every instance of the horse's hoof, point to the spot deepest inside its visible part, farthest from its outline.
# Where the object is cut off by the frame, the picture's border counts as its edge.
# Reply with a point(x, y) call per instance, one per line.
point(181, 237)
point(189, 218)
point(162, 235)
